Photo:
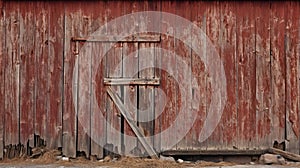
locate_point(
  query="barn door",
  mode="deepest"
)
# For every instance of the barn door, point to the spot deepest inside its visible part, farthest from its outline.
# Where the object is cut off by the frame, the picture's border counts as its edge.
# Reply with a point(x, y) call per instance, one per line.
point(114, 90)
point(125, 85)
point(130, 81)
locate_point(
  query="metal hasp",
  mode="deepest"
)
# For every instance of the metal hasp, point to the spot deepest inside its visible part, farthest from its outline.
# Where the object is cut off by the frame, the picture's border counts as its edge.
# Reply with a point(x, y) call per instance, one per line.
point(131, 123)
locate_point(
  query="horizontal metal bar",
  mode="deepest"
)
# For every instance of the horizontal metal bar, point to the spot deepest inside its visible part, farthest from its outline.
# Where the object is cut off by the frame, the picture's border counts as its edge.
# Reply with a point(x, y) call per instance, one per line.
point(150, 150)
point(131, 81)
point(132, 38)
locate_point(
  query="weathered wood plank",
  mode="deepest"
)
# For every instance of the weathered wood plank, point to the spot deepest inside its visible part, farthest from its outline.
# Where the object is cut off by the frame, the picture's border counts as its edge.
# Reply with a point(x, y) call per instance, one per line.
point(55, 45)
point(213, 17)
point(12, 72)
point(183, 72)
point(109, 39)
point(156, 6)
point(168, 84)
point(41, 56)
point(138, 132)
point(263, 75)
point(2, 78)
point(130, 69)
point(98, 116)
point(246, 74)
point(28, 75)
point(146, 92)
point(285, 154)
point(199, 71)
point(132, 81)
point(278, 72)
point(130, 92)
point(71, 23)
point(84, 73)
point(114, 69)
point(228, 56)
point(292, 13)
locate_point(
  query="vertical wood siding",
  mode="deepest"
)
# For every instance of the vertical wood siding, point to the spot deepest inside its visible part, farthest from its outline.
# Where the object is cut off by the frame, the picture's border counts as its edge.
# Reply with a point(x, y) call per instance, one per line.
point(258, 43)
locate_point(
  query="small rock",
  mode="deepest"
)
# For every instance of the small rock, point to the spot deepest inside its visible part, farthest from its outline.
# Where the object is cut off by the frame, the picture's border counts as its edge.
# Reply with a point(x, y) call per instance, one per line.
point(101, 160)
point(167, 158)
point(107, 158)
point(180, 161)
point(252, 163)
point(65, 159)
point(271, 159)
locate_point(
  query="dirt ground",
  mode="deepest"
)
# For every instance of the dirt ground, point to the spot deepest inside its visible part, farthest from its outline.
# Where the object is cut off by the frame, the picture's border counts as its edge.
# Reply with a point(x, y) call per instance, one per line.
point(49, 159)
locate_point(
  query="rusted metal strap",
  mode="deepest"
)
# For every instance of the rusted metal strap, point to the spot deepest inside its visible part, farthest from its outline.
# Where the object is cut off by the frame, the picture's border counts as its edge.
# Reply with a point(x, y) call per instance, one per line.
point(131, 81)
point(132, 38)
point(131, 123)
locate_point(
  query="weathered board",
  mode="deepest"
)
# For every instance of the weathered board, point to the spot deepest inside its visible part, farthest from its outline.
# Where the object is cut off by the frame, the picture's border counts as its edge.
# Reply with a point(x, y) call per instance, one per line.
point(47, 47)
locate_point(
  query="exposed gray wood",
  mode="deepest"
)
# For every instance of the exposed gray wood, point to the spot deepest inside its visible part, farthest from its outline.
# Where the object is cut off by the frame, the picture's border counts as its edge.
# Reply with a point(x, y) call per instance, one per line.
point(131, 81)
point(132, 38)
point(2, 79)
point(131, 122)
point(285, 154)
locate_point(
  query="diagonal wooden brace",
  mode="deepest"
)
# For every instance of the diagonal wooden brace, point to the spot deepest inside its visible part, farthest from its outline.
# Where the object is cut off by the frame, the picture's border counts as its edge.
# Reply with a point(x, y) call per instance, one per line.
point(131, 123)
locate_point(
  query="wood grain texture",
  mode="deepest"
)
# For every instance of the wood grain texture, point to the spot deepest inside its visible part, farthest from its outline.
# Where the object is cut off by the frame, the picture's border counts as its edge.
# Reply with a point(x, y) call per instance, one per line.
point(199, 71)
point(263, 76)
point(213, 17)
point(2, 79)
point(55, 45)
point(278, 73)
point(12, 72)
point(246, 74)
point(27, 74)
point(168, 83)
point(292, 25)
point(71, 29)
point(228, 54)
point(258, 43)
point(41, 54)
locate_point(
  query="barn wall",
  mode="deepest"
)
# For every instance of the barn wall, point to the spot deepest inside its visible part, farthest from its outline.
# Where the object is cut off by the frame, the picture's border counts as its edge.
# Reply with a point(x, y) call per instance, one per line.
point(258, 42)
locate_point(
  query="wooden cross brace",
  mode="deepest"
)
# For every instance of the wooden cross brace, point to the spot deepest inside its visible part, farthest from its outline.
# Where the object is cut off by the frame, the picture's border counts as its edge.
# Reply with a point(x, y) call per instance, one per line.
point(140, 135)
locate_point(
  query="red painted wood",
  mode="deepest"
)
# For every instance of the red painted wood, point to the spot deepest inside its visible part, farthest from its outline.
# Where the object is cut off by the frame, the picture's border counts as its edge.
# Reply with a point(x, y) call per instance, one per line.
point(183, 72)
point(246, 74)
point(228, 44)
point(263, 75)
point(42, 55)
point(12, 69)
point(168, 84)
point(27, 73)
point(213, 17)
point(199, 71)
point(71, 23)
point(55, 74)
point(292, 13)
point(37, 61)
point(278, 72)
point(2, 79)
point(98, 116)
